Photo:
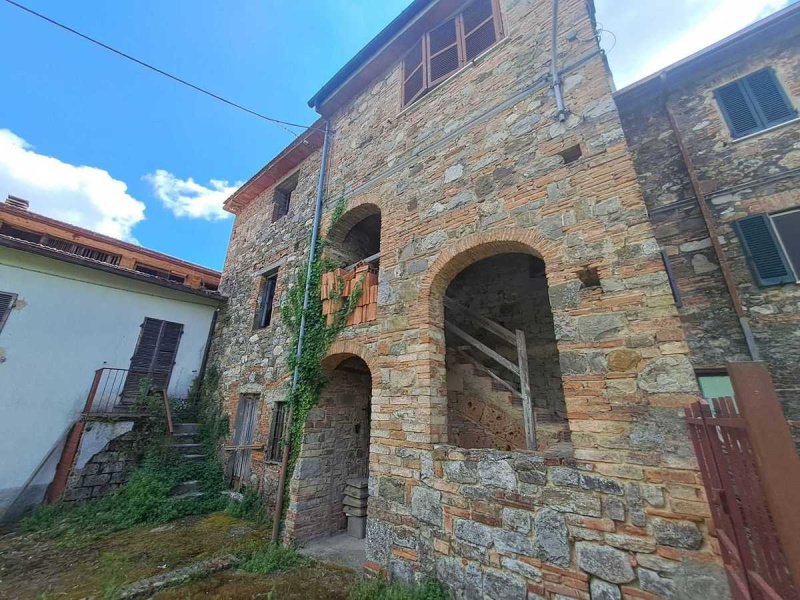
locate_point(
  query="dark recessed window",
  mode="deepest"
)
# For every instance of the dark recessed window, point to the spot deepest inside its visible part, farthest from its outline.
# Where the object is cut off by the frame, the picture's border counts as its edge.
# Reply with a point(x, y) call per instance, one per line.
point(571, 154)
point(20, 234)
point(7, 300)
point(266, 298)
point(282, 197)
point(276, 431)
point(449, 46)
point(771, 245)
point(754, 103)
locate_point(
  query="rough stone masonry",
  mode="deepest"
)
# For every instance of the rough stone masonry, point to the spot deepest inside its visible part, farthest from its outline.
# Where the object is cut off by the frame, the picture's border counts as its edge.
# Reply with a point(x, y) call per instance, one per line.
point(476, 169)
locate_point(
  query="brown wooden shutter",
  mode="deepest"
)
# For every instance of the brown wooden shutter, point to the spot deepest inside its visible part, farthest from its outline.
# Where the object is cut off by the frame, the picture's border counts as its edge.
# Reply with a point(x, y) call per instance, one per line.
point(444, 56)
point(413, 73)
point(154, 356)
point(7, 300)
point(480, 28)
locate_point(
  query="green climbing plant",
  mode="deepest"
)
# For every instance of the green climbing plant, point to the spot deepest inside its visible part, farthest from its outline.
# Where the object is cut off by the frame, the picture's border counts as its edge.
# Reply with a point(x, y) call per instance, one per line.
point(319, 335)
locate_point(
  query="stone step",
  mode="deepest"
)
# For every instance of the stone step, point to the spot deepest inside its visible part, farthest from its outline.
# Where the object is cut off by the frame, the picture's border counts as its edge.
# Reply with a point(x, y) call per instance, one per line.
point(186, 428)
point(193, 448)
point(186, 487)
point(358, 482)
point(188, 495)
point(357, 493)
point(185, 437)
point(193, 457)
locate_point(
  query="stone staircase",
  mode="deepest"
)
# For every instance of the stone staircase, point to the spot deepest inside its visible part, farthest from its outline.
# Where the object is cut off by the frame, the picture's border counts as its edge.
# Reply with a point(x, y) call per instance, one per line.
point(185, 440)
point(490, 414)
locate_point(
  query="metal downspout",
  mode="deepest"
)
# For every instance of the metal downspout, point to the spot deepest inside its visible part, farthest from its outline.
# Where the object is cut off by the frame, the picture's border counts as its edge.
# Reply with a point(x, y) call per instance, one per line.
point(287, 436)
point(556, 78)
point(708, 219)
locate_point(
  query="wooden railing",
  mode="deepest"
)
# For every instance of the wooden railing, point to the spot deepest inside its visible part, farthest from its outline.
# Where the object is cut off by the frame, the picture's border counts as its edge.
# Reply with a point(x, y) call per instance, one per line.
point(520, 369)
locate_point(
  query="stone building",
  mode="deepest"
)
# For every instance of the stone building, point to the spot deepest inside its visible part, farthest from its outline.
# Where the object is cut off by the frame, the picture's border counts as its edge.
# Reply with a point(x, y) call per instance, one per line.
point(479, 192)
point(721, 128)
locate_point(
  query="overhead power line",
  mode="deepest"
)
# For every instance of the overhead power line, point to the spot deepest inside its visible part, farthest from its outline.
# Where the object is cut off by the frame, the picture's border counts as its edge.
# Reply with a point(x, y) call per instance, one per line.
point(197, 88)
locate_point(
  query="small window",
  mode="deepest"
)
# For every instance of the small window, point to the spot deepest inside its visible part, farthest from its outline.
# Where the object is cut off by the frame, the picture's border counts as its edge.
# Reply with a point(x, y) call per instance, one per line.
point(283, 197)
point(7, 300)
point(714, 385)
point(276, 431)
point(771, 245)
point(266, 298)
point(20, 234)
point(449, 46)
point(159, 273)
point(211, 287)
point(754, 103)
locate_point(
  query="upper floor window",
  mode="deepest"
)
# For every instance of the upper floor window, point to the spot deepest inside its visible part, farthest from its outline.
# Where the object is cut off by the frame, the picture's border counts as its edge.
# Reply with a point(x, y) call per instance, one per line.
point(754, 103)
point(283, 196)
point(772, 246)
point(266, 298)
point(450, 46)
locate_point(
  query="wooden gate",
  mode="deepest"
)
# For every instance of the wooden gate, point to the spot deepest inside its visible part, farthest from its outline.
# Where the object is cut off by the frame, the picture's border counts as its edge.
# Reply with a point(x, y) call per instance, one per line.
point(753, 545)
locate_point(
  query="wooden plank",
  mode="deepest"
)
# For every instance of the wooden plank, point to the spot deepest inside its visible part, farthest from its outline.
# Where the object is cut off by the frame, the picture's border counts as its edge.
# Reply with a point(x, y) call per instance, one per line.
point(484, 369)
point(364, 261)
point(525, 388)
point(482, 347)
point(487, 324)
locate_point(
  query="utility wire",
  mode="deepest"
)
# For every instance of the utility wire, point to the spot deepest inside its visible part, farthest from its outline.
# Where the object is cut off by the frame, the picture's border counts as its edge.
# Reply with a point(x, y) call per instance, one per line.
point(283, 124)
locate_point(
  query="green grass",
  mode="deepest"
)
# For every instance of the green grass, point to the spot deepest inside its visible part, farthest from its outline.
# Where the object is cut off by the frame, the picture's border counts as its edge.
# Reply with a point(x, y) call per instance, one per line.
point(144, 499)
point(251, 507)
point(275, 559)
point(381, 589)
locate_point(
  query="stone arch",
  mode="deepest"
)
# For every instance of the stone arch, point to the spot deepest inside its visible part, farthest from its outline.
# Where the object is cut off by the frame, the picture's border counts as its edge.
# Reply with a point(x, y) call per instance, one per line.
point(470, 249)
point(341, 350)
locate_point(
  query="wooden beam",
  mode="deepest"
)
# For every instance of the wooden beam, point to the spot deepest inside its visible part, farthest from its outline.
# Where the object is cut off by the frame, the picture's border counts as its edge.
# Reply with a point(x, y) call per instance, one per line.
point(525, 388)
point(364, 261)
point(484, 369)
point(488, 324)
point(482, 347)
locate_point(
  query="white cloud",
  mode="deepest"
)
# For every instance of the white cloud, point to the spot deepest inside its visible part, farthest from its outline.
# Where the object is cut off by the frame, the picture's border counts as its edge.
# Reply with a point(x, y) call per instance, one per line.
point(187, 198)
point(84, 196)
point(652, 35)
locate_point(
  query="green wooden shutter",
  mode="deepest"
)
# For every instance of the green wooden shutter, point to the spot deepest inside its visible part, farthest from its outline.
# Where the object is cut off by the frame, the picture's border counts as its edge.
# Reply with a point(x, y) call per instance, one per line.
point(737, 109)
point(764, 254)
point(768, 97)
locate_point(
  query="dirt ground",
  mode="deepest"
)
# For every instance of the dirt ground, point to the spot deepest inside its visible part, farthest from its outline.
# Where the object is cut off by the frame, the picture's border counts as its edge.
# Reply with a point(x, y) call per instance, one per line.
point(34, 567)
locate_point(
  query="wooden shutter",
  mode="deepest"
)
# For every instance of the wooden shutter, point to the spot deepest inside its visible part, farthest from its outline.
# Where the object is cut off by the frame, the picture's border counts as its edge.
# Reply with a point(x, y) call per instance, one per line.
point(754, 103)
point(243, 436)
point(266, 300)
point(7, 300)
point(770, 101)
point(280, 204)
point(736, 108)
point(444, 53)
point(413, 74)
point(154, 356)
point(787, 226)
point(763, 251)
point(480, 28)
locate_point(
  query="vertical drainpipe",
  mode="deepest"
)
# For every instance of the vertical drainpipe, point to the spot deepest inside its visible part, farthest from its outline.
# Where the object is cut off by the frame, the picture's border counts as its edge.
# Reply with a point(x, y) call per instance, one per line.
point(708, 219)
point(554, 75)
point(287, 434)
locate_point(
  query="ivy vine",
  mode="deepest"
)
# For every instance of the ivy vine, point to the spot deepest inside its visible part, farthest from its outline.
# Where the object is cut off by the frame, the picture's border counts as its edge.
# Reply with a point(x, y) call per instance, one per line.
point(318, 337)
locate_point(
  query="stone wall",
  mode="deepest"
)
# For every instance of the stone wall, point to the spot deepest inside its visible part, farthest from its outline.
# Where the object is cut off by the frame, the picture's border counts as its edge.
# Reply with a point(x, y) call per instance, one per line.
point(108, 453)
point(739, 178)
point(501, 525)
point(471, 171)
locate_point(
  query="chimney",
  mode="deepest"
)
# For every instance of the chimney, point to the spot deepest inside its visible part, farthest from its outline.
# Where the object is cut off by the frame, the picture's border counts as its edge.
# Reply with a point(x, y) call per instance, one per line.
point(19, 203)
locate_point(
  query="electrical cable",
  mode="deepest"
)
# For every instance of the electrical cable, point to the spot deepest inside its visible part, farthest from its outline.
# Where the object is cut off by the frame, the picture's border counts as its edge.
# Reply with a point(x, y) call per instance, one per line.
point(280, 123)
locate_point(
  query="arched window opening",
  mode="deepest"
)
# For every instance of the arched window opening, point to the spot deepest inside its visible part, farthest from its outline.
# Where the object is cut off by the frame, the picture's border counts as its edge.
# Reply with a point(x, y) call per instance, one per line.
point(504, 384)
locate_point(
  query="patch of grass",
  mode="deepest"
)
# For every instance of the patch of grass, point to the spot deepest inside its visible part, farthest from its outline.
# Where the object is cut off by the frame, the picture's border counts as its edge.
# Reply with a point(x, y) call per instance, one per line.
point(113, 567)
point(381, 589)
point(251, 507)
point(145, 499)
point(275, 559)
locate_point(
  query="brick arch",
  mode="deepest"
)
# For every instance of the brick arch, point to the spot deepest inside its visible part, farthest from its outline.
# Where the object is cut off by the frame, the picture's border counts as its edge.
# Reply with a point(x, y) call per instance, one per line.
point(470, 249)
point(341, 350)
point(353, 215)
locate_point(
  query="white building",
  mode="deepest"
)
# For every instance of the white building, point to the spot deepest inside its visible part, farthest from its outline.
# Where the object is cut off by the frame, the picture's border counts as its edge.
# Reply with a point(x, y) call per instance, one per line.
point(73, 302)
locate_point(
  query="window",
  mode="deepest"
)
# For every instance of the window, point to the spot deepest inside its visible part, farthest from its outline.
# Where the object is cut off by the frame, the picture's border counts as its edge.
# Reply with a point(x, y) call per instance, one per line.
point(59, 244)
point(282, 197)
point(771, 245)
point(276, 431)
point(20, 234)
point(7, 300)
point(754, 103)
point(450, 46)
point(207, 285)
point(266, 297)
point(159, 273)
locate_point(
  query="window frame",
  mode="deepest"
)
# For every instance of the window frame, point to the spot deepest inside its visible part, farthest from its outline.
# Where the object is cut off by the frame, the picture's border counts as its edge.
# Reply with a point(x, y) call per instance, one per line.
point(273, 450)
point(461, 41)
point(753, 105)
point(795, 269)
point(11, 304)
point(263, 312)
point(284, 191)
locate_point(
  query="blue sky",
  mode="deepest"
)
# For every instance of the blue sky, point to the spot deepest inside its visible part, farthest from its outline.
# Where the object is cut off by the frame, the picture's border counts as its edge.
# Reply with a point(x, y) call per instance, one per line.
point(102, 143)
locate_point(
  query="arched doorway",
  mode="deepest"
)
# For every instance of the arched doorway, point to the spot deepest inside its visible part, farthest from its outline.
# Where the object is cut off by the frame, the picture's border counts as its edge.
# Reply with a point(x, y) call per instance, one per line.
point(494, 307)
point(330, 484)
